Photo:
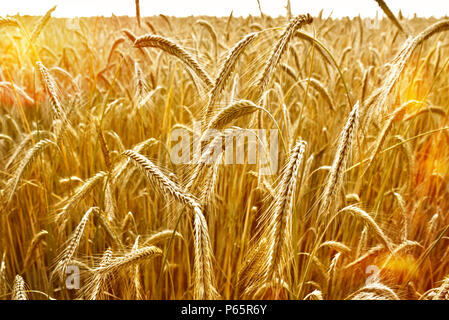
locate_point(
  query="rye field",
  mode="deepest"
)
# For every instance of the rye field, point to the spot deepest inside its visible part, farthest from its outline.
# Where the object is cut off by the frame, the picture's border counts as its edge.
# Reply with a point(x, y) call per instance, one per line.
point(128, 167)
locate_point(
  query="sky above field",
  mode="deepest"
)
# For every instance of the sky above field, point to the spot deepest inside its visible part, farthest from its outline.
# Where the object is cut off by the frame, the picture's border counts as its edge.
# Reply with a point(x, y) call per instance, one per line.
point(339, 8)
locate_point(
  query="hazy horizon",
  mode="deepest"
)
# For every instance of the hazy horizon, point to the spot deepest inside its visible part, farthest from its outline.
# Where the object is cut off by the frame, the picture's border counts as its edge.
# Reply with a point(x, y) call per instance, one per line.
point(351, 8)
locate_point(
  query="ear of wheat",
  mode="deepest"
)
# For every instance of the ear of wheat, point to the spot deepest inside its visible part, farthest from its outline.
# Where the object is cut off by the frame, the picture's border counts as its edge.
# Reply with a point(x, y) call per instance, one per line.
point(226, 70)
point(19, 289)
point(79, 194)
point(159, 179)
point(41, 24)
point(24, 164)
point(99, 280)
point(339, 164)
point(279, 49)
point(129, 259)
point(67, 254)
point(400, 61)
point(375, 291)
point(50, 87)
point(204, 287)
point(8, 22)
point(37, 239)
point(176, 50)
point(276, 227)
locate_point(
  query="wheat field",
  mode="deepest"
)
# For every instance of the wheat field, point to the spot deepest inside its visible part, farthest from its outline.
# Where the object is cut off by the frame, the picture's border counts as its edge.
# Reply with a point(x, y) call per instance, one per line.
point(94, 207)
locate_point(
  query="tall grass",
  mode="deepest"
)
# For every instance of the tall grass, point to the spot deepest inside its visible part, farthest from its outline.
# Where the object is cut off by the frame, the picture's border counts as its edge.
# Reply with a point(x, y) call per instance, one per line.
point(88, 183)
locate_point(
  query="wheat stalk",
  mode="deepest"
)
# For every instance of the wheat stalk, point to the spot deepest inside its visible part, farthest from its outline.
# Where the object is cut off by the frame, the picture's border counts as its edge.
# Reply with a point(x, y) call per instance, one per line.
point(138, 12)
point(204, 280)
point(390, 15)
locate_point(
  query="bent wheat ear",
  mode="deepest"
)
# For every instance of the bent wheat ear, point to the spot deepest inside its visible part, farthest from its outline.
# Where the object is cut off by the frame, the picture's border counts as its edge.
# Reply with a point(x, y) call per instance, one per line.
point(162, 236)
point(159, 179)
point(20, 148)
point(338, 246)
point(130, 35)
point(8, 22)
point(133, 258)
point(121, 167)
point(232, 112)
point(113, 48)
point(14, 89)
point(314, 295)
point(203, 274)
point(205, 24)
point(369, 221)
point(174, 49)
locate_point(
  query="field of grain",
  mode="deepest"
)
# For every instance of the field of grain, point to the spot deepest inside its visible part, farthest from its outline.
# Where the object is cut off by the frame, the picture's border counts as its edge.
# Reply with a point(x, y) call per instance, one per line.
point(93, 207)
